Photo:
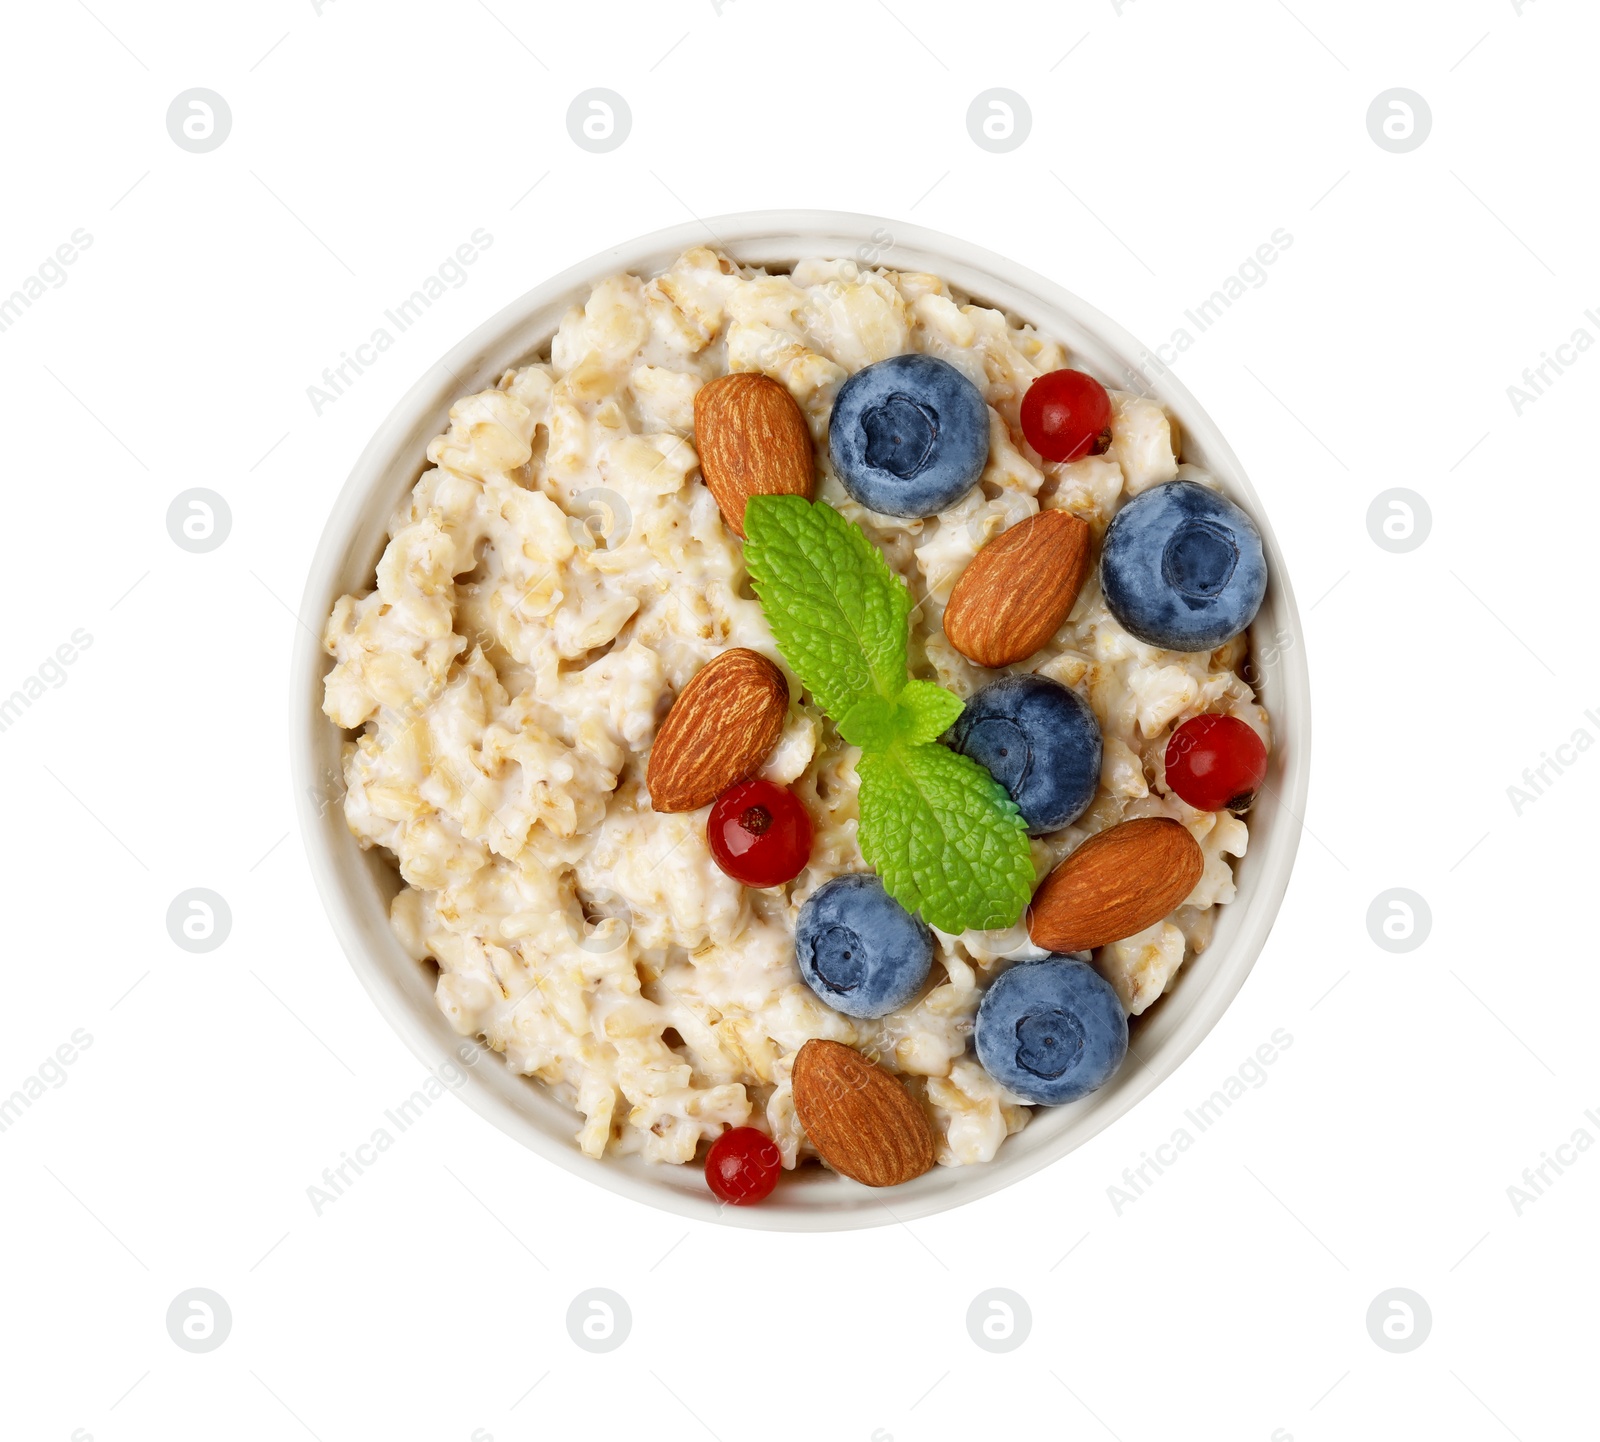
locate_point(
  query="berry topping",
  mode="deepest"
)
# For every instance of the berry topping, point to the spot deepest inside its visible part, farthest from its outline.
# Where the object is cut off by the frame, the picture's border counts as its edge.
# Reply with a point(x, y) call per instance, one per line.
point(1216, 763)
point(1067, 415)
point(760, 833)
point(1051, 1031)
point(909, 436)
point(859, 949)
point(1039, 740)
point(1182, 567)
point(743, 1166)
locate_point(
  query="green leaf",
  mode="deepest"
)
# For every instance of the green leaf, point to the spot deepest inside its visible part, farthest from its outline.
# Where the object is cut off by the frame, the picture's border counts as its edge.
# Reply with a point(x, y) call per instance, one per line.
point(927, 711)
point(839, 614)
point(872, 723)
point(921, 712)
point(944, 837)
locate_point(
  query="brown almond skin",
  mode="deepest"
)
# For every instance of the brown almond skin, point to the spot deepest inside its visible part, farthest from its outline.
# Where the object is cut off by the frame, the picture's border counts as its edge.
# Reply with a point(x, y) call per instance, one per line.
point(723, 725)
point(1117, 883)
point(753, 441)
point(1018, 589)
point(862, 1121)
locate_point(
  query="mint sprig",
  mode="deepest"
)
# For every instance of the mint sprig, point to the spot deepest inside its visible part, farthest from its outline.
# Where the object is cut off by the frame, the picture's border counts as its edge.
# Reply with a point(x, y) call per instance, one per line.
point(940, 831)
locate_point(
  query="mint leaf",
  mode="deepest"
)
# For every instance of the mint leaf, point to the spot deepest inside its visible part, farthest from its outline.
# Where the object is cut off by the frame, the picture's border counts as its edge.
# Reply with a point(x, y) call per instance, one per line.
point(944, 837)
point(921, 712)
point(927, 711)
point(872, 723)
point(839, 614)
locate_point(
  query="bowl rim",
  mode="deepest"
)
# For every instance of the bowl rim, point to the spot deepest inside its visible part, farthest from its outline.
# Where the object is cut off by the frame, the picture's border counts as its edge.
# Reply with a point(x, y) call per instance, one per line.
point(334, 855)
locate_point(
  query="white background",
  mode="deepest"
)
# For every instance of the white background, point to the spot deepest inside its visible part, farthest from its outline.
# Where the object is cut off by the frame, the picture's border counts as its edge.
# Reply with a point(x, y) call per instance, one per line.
point(1168, 142)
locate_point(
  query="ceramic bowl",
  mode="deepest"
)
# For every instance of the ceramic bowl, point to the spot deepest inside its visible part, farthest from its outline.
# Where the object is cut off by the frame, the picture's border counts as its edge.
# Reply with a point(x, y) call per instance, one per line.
point(357, 885)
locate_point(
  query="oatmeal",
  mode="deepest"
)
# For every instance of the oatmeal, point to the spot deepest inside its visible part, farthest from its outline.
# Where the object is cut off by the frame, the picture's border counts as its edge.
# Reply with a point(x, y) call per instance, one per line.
point(561, 573)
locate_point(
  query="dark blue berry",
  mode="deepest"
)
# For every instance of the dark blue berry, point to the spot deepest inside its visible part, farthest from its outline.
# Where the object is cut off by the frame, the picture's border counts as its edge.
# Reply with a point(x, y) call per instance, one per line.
point(1182, 567)
point(1051, 1031)
point(859, 949)
point(1039, 740)
point(909, 436)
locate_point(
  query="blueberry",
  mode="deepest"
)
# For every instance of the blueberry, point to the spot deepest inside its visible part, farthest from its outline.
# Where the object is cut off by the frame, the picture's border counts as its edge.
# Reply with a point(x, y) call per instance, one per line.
point(1051, 1031)
point(859, 949)
point(1039, 740)
point(909, 435)
point(1182, 567)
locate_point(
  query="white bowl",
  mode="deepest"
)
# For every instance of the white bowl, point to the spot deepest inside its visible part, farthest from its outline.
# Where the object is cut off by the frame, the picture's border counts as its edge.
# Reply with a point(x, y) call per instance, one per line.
point(357, 885)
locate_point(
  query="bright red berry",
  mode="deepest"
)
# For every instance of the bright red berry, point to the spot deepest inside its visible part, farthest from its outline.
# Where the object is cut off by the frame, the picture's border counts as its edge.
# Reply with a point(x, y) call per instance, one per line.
point(759, 833)
point(742, 1166)
point(1067, 415)
point(1216, 763)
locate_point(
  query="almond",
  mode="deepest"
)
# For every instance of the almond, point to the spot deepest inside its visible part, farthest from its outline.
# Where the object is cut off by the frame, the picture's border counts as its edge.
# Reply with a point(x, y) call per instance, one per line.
point(723, 725)
point(1117, 883)
point(753, 441)
point(1018, 589)
point(863, 1123)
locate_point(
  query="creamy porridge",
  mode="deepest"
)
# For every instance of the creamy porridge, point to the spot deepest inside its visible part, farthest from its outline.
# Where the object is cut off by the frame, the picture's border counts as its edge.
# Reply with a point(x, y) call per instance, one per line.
point(561, 573)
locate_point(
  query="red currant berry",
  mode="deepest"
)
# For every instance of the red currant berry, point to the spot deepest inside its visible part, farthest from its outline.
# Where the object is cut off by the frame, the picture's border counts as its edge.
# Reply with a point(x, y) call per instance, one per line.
point(1067, 415)
point(1216, 763)
point(742, 1166)
point(759, 833)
